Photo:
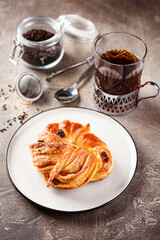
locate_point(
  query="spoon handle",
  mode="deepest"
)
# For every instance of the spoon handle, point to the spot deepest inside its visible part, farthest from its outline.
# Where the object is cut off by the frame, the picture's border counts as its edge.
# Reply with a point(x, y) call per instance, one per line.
point(54, 74)
point(91, 68)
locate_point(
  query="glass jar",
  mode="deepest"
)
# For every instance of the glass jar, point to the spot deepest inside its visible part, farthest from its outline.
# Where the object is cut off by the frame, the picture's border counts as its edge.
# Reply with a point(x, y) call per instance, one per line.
point(48, 53)
point(38, 54)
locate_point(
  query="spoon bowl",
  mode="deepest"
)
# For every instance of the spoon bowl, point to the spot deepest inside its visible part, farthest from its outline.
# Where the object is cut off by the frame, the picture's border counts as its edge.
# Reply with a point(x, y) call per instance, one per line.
point(67, 94)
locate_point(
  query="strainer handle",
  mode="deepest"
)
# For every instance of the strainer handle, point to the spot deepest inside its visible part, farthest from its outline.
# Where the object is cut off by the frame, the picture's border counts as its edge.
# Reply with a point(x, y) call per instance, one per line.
point(154, 85)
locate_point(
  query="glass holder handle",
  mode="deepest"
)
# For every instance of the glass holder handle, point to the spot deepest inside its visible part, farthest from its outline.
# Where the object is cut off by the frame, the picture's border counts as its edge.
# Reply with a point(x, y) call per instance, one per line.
point(152, 84)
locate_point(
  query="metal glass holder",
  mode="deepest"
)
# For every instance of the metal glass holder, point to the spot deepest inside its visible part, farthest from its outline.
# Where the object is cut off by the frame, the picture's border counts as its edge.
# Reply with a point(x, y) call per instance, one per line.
point(120, 105)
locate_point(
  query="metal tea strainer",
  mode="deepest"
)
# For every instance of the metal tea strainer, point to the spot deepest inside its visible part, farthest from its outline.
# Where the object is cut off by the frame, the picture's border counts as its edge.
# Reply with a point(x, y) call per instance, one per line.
point(30, 87)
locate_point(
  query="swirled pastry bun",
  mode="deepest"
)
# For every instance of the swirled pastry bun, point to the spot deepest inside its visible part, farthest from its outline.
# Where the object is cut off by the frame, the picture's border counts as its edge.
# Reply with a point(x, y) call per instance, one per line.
point(69, 155)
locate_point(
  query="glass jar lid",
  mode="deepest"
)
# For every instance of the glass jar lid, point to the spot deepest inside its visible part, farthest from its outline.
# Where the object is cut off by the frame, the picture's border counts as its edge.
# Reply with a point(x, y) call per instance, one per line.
point(78, 27)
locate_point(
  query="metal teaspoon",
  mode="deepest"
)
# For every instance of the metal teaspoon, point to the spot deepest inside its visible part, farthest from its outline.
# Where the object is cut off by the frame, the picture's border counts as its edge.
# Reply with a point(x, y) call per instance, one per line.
point(67, 95)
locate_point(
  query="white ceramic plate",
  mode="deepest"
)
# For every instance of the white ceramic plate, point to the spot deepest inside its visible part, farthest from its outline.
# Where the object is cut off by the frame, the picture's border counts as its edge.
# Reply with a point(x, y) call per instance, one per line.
point(25, 177)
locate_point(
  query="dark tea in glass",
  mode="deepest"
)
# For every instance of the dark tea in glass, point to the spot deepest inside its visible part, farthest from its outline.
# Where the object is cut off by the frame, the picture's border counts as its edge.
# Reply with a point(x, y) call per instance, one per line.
point(112, 82)
point(119, 59)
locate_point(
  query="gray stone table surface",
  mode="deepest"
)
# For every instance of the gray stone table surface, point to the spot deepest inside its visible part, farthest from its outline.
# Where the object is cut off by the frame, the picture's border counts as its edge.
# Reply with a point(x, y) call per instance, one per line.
point(135, 215)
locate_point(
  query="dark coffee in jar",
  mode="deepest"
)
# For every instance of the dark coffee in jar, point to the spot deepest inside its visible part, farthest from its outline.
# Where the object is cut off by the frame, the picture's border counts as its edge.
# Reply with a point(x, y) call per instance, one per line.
point(117, 73)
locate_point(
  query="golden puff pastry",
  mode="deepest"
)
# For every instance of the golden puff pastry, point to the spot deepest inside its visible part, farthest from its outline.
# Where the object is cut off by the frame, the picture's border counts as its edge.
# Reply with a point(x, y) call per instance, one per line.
point(70, 156)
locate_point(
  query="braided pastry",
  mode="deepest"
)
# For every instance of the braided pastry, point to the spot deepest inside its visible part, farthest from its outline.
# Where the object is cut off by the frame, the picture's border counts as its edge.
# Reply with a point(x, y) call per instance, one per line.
point(69, 156)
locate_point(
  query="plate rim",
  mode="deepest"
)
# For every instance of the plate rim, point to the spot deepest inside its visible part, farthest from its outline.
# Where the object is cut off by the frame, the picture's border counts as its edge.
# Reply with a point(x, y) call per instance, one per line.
point(59, 210)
